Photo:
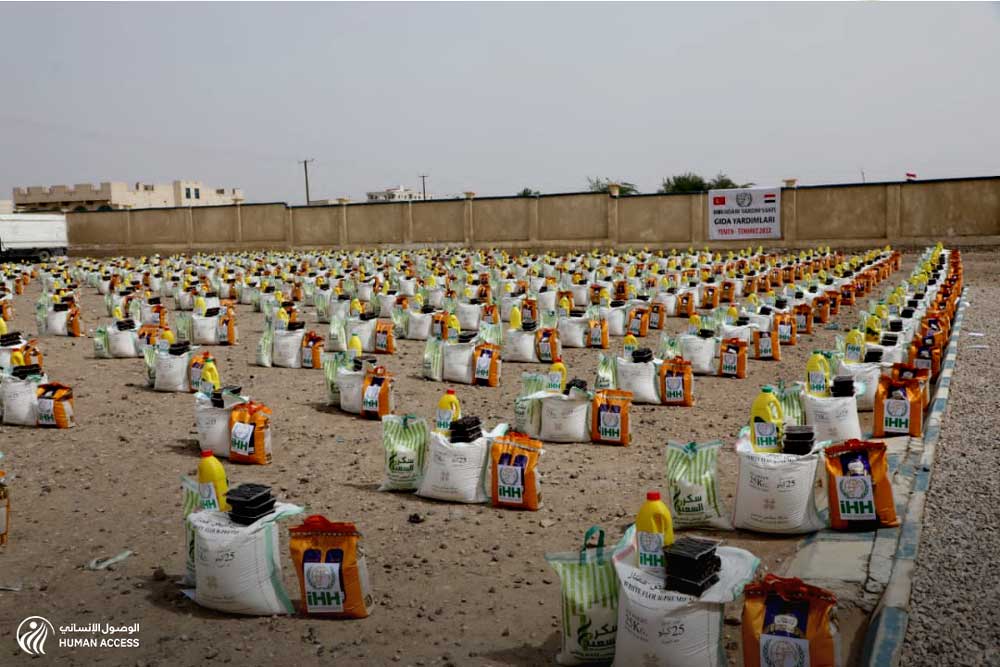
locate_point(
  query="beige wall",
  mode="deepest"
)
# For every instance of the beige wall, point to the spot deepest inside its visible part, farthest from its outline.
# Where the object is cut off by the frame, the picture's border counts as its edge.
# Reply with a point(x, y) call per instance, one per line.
point(964, 209)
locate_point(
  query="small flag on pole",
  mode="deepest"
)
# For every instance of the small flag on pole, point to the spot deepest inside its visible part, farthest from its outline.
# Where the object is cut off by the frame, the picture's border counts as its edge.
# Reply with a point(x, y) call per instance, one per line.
point(910, 176)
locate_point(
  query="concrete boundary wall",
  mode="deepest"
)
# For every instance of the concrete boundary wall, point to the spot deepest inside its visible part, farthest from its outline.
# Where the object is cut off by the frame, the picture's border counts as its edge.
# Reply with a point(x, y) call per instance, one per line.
point(962, 211)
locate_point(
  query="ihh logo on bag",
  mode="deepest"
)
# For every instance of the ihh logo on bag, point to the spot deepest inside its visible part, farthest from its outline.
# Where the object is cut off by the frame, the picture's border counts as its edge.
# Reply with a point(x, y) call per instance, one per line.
point(765, 346)
point(897, 416)
point(784, 332)
point(780, 651)
point(729, 363)
point(510, 488)
point(852, 352)
point(855, 497)
point(323, 587)
point(675, 388)
point(610, 422)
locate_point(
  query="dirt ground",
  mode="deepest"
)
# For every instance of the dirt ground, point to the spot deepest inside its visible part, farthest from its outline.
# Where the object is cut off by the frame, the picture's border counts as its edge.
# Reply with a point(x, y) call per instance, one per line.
point(467, 586)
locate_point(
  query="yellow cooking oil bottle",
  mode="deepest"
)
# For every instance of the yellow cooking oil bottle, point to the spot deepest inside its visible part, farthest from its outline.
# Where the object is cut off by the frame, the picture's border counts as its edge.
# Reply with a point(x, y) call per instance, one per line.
point(854, 347)
point(209, 377)
point(766, 419)
point(564, 306)
point(557, 375)
point(694, 324)
point(654, 529)
point(629, 345)
point(515, 318)
point(449, 409)
point(212, 485)
point(873, 329)
point(354, 346)
point(818, 374)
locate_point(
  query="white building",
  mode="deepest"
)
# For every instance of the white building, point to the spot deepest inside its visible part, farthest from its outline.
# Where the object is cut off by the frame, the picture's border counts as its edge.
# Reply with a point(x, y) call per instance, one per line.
point(110, 196)
point(397, 194)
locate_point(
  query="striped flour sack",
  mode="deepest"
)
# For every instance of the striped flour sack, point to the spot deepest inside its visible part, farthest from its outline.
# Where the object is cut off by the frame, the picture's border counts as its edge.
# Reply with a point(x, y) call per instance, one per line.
point(791, 403)
point(693, 486)
point(589, 591)
point(190, 502)
point(404, 439)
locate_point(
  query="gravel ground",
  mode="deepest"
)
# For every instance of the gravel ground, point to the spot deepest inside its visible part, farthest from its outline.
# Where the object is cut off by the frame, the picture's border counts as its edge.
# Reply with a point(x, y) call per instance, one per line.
point(467, 586)
point(953, 610)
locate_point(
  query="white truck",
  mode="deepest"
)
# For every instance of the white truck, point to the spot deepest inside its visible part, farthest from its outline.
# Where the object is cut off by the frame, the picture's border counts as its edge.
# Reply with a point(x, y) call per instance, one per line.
point(32, 236)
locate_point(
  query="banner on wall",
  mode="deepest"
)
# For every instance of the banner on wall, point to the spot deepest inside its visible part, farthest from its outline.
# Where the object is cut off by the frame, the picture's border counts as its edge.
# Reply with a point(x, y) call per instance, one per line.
point(744, 213)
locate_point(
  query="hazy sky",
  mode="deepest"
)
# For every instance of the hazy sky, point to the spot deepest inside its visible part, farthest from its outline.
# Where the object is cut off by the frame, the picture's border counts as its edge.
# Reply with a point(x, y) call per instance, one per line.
point(494, 97)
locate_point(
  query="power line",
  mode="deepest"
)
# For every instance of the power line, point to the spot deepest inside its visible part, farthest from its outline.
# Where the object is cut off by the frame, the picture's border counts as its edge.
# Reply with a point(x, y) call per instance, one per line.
point(423, 181)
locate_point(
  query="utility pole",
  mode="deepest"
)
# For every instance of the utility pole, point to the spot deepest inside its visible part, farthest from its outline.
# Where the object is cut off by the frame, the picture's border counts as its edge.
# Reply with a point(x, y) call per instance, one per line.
point(423, 181)
point(305, 168)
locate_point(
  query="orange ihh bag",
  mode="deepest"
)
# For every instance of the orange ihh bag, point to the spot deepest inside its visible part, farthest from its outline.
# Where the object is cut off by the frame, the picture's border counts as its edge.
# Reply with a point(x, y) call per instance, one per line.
point(514, 462)
point(859, 488)
point(385, 339)
point(486, 365)
point(787, 622)
point(733, 358)
point(609, 417)
point(250, 433)
point(331, 568)
point(312, 350)
point(376, 393)
point(766, 344)
point(899, 408)
point(597, 333)
point(676, 382)
point(55, 405)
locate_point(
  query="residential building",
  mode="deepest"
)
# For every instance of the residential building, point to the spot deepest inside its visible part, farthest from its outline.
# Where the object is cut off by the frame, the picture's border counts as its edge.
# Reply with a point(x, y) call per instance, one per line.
point(397, 194)
point(111, 196)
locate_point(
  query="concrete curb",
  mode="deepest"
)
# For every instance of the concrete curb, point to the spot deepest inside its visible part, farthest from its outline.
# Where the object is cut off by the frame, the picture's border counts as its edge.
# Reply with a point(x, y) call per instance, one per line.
point(887, 627)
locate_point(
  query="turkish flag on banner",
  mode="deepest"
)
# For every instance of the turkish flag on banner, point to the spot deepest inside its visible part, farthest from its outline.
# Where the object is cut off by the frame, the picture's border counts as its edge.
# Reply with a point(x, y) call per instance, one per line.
point(718, 201)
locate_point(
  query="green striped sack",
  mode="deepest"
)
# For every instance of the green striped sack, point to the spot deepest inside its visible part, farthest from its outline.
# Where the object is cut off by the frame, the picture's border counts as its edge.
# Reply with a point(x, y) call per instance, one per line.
point(693, 485)
point(332, 362)
point(434, 359)
point(607, 372)
point(589, 591)
point(404, 438)
point(190, 502)
point(791, 403)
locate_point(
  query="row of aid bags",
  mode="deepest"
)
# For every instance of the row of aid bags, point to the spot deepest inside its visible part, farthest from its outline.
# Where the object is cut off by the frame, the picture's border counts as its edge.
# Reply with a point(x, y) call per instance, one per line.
point(575, 415)
point(28, 398)
point(358, 386)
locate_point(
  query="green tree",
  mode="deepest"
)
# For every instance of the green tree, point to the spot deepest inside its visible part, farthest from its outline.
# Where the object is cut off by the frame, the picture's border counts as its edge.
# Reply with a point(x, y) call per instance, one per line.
point(692, 182)
point(686, 182)
point(602, 184)
point(723, 182)
point(528, 192)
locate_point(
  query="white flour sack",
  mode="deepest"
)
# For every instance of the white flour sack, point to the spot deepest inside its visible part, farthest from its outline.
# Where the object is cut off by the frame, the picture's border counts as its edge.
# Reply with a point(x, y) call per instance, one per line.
point(418, 325)
point(365, 330)
point(573, 331)
point(868, 374)
point(616, 319)
point(172, 371)
point(350, 384)
point(744, 332)
point(833, 418)
point(458, 362)
point(287, 350)
point(566, 418)
point(468, 315)
point(519, 346)
point(238, 568)
point(661, 627)
point(123, 344)
point(213, 422)
point(700, 352)
point(774, 493)
point(640, 379)
point(507, 304)
point(19, 400)
point(454, 471)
